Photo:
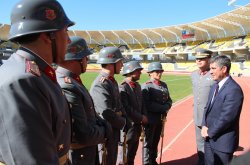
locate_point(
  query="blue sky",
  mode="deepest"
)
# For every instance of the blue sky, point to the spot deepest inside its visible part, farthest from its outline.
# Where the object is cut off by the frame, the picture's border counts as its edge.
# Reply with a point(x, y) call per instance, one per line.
point(133, 14)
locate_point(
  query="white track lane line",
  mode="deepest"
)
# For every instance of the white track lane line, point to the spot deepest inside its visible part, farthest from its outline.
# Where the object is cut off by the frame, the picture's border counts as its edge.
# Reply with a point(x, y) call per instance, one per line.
point(181, 132)
point(175, 139)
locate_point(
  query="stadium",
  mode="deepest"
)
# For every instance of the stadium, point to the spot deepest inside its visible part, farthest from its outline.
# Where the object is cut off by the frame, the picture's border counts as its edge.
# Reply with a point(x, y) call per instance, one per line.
point(175, 45)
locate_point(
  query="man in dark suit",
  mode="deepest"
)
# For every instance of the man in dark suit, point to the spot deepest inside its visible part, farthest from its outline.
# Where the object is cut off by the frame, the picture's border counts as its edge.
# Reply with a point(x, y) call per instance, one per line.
point(220, 125)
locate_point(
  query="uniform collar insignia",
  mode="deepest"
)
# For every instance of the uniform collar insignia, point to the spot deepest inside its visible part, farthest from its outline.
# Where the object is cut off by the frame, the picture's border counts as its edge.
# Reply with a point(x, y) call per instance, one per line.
point(157, 82)
point(77, 78)
point(111, 78)
point(50, 72)
point(132, 84)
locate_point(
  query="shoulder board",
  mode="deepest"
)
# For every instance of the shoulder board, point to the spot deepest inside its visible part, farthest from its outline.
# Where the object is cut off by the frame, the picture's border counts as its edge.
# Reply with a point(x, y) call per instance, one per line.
point(67, 80)
point(102, 79)
point(32, 67)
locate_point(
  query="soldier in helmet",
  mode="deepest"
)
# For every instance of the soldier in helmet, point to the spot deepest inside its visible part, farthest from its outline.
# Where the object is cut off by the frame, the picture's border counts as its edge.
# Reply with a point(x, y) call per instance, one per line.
point(106, 97)
point(35, 118)
point(158, 102)
point(130, 91)
point(88, 128)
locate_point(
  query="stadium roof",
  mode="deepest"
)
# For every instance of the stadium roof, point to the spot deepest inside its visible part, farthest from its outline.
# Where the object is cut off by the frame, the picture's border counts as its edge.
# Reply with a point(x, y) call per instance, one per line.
point(230, 24)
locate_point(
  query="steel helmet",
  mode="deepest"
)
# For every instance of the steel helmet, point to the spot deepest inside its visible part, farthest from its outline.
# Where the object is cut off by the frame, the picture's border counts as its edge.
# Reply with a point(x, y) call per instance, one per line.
point(153, 66)
point(36, 16)
point(77, 49)
point(109, 55)
point(130, 67)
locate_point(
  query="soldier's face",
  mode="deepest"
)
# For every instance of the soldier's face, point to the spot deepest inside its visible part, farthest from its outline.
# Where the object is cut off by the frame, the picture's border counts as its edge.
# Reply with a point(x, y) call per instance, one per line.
point(202, 63)
point(84, 64)
point(118, 67)
point(62, 40)
point(136, 75)
point(156, 74)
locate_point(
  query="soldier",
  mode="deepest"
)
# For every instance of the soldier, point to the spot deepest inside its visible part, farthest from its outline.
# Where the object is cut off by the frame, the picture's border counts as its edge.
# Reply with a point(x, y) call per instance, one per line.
point(106, 97)
point(88, 129)
point(158, 102)
point(201, 83)
point(34, 125)
point(131, 96)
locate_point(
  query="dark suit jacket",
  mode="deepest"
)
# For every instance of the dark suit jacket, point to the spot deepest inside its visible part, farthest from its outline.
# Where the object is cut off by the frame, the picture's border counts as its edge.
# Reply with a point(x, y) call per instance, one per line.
point(222, 116)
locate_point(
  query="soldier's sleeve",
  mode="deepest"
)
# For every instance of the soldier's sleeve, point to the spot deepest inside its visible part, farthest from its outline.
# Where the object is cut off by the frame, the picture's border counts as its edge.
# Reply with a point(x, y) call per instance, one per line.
point(26, 123)
point(101, 94)
point(169, 102)
point(151, 105)
point(130, 111)
point(84, 132)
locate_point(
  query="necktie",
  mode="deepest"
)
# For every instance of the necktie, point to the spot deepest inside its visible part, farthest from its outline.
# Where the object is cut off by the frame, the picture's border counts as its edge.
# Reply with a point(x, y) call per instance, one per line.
point(216, 89)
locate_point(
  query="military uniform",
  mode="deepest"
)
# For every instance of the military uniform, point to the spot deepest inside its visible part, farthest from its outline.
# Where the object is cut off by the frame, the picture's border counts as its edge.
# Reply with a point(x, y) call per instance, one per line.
point(106, 97)
point(132, 101)
point(158, 102)
point(201, 83)
point(34, 114)
point(87, 131)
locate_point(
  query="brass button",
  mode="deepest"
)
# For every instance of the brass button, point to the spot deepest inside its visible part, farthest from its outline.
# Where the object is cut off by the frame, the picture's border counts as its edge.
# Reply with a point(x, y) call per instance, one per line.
point(65, 121)
point(82, 156)
point(60, 147)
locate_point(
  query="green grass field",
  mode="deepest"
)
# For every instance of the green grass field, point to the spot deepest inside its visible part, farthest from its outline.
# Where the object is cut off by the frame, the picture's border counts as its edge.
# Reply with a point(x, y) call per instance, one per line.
point(179, 85)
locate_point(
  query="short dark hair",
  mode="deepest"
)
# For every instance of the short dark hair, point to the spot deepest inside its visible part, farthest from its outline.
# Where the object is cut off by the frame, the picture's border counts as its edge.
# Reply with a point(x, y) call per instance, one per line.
point(222, 60)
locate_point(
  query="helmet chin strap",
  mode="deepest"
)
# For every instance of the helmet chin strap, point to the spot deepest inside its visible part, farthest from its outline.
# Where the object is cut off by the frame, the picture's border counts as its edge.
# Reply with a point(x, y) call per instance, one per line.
point(53, 46)
point(81, 67)
point(115, 72)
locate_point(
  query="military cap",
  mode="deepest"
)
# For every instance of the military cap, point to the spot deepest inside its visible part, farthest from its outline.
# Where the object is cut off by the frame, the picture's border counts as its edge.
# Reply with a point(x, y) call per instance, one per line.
point(203, 53)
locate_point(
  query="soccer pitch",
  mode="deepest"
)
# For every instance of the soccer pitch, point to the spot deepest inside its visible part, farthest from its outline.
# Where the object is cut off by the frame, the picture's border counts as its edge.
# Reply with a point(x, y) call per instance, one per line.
point(179, 85)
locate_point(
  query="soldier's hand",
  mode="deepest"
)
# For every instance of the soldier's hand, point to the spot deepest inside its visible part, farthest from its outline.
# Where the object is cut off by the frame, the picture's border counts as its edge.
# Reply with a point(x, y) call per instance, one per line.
point(144, 120)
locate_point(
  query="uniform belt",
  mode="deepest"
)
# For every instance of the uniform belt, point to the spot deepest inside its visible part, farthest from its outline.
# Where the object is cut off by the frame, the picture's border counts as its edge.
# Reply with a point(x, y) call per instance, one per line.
point(63, 159)
point(76, 146)
point(118, 113)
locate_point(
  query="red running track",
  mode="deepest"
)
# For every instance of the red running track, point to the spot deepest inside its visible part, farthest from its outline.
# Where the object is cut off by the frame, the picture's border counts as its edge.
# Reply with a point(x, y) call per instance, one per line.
point(179, 142)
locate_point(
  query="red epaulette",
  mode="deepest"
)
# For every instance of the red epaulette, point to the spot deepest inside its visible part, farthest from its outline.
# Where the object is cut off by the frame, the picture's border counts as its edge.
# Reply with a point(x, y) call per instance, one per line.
point(32, 67)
